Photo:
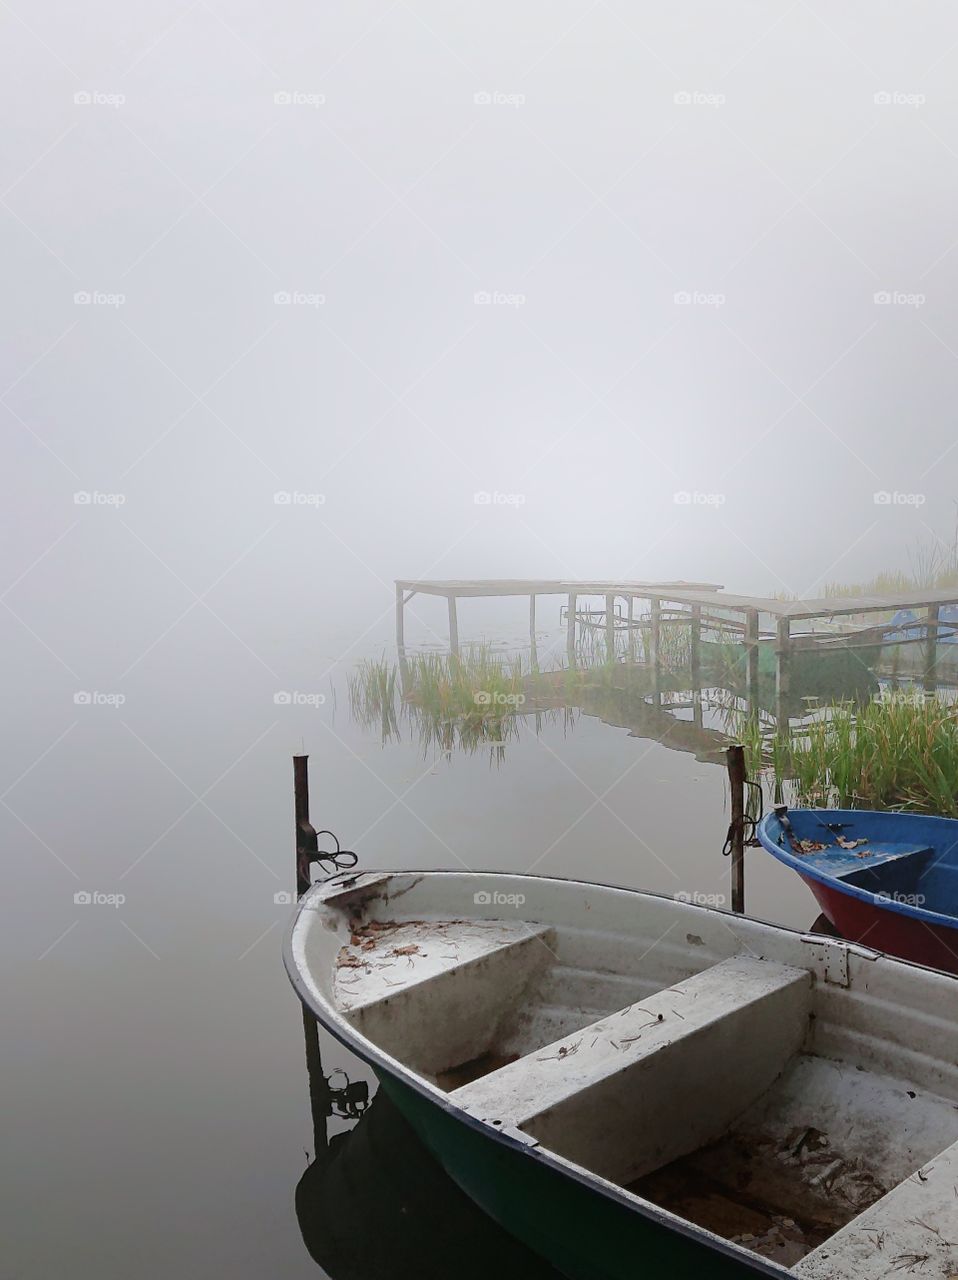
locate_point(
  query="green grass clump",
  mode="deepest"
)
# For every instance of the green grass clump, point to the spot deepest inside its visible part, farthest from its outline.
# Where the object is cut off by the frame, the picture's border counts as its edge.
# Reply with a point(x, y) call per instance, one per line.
point(900, 752)
point(465, 701)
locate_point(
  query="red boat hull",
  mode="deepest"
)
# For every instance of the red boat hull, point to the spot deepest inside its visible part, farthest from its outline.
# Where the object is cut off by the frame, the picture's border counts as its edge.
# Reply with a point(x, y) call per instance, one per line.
point(888, 931)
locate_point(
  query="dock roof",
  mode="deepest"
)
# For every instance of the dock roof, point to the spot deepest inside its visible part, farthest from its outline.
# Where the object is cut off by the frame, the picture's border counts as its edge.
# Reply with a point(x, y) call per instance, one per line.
point(707, 595)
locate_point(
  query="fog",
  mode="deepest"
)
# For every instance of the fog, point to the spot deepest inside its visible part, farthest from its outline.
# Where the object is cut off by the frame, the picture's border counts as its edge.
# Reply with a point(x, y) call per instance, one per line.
point(303, 299)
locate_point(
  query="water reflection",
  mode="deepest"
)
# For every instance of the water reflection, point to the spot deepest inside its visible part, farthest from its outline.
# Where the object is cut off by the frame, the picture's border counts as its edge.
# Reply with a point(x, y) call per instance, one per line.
point(375, 1205)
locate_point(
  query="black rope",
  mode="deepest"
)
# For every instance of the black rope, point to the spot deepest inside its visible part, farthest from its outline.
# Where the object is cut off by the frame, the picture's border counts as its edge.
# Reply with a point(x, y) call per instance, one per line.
point(339, 859)
point(351, 1099)
point(749, 823)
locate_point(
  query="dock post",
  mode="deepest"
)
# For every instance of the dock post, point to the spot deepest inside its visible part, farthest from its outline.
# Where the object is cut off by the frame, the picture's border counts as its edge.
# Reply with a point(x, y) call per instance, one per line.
point(453, 627)
point(570, 628)
point(533, 655)
point(610, 628)
point(735, 763)
point(631, 628)
point(695, 662)
point(655, 631)
point(400, 617)
point(783, 654)
point(751, 657)
point(931, 649)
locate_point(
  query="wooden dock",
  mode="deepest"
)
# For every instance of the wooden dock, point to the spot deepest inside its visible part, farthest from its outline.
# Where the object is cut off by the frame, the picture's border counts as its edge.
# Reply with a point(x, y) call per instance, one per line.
point(696, 604)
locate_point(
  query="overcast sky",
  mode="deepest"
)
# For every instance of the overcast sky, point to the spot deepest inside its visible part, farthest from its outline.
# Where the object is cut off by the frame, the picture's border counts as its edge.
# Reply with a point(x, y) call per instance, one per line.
point(681, 216)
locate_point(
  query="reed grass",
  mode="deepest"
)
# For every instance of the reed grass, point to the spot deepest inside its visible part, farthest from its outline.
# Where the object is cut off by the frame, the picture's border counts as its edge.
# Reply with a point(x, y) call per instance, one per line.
point(451, 702)
point(899, 752)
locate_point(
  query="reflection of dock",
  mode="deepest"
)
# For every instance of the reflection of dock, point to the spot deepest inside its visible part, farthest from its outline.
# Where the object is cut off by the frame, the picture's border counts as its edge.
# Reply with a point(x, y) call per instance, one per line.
point(700, 607)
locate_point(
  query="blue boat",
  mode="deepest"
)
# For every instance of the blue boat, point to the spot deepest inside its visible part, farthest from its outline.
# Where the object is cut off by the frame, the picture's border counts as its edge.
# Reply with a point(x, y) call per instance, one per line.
point(886, 879)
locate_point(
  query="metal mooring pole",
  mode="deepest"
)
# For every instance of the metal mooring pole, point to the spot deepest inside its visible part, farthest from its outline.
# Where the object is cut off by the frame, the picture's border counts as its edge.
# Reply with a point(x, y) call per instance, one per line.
point(305, 835)
point(735, 763)
point(319, 1102)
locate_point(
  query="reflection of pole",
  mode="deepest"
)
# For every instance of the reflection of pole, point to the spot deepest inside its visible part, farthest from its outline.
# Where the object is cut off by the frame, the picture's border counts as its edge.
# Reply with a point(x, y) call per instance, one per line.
point(735, 763)
point(453, 627)
point(931, 649)
point(695, 662)
point(318, 1088)
point(782, 673)
point(655, 649)
point(751, 660)
point(570, 629)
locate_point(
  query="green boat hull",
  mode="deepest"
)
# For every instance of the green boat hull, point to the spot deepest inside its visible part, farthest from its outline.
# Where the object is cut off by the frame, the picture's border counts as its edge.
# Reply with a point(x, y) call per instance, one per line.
point(584, 1233)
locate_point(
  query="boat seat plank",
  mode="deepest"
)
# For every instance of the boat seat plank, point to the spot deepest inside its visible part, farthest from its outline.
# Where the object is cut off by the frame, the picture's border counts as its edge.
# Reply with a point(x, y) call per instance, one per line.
point(434, 992)
point(913, 1230)
point(835, 861)
point(657, 1079)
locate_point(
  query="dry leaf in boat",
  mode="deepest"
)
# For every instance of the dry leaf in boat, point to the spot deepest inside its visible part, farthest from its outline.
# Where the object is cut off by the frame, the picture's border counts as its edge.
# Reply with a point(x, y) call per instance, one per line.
point(410, 949)
point(810, 846)
point(851, 844)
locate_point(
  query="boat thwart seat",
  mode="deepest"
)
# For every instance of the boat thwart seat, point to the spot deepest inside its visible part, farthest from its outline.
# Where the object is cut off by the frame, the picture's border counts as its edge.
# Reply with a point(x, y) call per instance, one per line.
point(438, 989)
point(658, 1079)
point(911, 1230)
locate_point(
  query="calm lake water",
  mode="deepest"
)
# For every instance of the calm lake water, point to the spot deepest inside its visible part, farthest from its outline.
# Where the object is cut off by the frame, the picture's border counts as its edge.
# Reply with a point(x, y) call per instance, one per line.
point(156, 1095)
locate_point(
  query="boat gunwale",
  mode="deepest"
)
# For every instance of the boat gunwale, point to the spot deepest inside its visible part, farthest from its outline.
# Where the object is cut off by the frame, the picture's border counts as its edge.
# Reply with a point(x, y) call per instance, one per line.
point(343, 1031)
point(790, 859)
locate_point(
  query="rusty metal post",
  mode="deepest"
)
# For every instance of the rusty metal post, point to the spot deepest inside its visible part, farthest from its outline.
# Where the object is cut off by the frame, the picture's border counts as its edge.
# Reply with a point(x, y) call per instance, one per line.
point(303, 828)
point(570, 628)
point(735, 763)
